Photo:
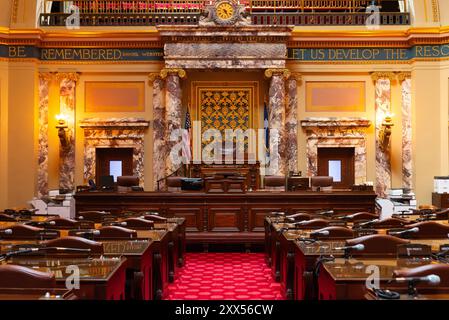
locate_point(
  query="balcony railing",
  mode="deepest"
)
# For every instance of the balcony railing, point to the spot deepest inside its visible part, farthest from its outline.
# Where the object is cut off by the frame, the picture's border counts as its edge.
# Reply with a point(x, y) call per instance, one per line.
point(178, 12)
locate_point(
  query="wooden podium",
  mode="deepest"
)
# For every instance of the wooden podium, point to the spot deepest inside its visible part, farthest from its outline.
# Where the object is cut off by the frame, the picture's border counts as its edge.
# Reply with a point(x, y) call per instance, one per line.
point(249, 170)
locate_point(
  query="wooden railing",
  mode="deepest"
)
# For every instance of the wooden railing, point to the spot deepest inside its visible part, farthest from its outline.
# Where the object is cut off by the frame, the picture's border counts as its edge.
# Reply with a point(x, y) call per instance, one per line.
point(262, 12)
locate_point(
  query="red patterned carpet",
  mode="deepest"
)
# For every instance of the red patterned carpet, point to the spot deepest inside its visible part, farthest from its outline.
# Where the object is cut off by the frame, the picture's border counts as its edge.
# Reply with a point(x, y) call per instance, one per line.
point(224, 276)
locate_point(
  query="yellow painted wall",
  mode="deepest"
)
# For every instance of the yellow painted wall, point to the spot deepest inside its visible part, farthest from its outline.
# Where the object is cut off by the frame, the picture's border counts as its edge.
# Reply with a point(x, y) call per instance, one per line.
point(3, 133)
point(5, 13)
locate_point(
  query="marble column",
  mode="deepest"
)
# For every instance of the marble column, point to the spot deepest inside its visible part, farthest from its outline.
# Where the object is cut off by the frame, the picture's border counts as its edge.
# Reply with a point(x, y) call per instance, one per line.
point(407, 160)
point(276, 120)
point(173, 103)
point(67, 86)
point(291, 123)
point(382, 82)
point(42, 170)
point(159, 129)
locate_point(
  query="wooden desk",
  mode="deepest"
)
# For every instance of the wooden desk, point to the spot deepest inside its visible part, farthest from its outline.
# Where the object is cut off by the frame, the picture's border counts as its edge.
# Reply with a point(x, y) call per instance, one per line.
point(214, 217)
point(306, 257)
point(346, 279)
point(36, 294)
point(100, 278)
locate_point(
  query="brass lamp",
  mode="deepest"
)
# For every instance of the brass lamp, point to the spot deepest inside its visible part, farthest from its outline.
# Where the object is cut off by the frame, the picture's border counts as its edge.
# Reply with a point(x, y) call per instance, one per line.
point(385, 131)
point(62, 127)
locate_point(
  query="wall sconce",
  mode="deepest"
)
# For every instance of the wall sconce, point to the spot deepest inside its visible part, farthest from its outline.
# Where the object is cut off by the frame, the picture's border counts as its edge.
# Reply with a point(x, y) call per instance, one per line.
point(62, 127)
point(385, 131)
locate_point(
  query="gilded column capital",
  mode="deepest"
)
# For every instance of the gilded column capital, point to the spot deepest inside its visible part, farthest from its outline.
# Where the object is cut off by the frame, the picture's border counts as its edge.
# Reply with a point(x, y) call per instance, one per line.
point(178, 71)
point(73, 76)
point(46, 76)
point(153, 76)
point(404, 75)
point(383, 75)
point(295, 76)
point(281, 71)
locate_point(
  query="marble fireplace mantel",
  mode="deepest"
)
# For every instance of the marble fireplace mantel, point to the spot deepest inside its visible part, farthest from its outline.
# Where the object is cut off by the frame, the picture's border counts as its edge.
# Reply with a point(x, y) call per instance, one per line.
point(337, 133)
point(114, 133)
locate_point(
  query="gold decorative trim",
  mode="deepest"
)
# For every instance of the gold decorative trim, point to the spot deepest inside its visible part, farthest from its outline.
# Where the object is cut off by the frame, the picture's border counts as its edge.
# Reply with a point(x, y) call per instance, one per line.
point(15, 9)
point(73, 76)
point(282, 71)
point(152, 76)
point(383, 75)
point(435, 11)
point(177, 71)
point(296, 76)
point(46, 76)
point(404, 75)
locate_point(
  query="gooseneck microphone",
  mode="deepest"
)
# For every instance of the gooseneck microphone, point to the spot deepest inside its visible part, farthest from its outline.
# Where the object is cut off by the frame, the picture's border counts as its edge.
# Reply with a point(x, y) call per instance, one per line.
point(405, 232)
point(432, 279)
point(367, 223)
point(347, 249)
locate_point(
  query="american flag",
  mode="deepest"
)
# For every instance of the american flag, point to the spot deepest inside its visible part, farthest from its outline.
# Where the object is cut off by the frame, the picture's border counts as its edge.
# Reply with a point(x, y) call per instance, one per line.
point(186, 153)
point(267, 130)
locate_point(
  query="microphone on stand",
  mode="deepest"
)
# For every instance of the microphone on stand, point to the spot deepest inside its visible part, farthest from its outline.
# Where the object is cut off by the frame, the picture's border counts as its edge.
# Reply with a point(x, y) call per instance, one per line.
point(431, 279)
point(367, 223)
point(348, 249)
point(325, 213)
point(405, 232)
point(323, 233)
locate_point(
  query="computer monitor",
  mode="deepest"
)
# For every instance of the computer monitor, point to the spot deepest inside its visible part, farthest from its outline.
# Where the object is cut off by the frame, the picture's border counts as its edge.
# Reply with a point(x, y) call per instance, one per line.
point(107, 182)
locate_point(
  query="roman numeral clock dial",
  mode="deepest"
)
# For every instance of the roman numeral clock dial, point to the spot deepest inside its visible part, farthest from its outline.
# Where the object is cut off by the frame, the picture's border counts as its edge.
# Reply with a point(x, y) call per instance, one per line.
point(225, 12)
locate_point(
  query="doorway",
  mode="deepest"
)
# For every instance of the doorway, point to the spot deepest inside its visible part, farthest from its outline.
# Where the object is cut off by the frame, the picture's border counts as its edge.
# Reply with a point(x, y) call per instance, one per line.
point(339, 164)
point(113, 162)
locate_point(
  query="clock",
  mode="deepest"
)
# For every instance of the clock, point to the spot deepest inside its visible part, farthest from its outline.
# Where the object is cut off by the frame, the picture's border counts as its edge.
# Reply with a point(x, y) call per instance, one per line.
point(225, 12)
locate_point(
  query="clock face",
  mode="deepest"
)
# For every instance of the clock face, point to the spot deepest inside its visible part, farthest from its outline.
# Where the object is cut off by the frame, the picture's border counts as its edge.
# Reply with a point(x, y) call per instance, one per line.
point(225, 11)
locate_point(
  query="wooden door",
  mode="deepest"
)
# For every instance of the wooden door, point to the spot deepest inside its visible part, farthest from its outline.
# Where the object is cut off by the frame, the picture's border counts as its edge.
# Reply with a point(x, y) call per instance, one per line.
point(339, 163)
point(113, 162)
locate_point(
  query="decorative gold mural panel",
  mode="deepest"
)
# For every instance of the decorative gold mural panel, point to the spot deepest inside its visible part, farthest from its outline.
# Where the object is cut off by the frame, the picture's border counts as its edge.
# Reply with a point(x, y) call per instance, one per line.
point(225, 105)
point(332, 96)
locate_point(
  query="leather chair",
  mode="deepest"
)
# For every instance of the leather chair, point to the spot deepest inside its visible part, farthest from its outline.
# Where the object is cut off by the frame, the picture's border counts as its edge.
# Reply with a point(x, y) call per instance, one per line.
point(61, 223)
point(334, 233)
point(96, 248)
point(174, 183)
point(441, 270)
point(428, 230)
point(114, 233)
point(386, 223)
point(137, 224)
point(377, 245)
point(300, 217)
point(274, 183)
point(154, 218)
point(360, 216)
point(25, 232)
point(7, 218)
point(13, 276)
point(323, 183)
point(125, 183)
point(94, 216)
point(313, 224)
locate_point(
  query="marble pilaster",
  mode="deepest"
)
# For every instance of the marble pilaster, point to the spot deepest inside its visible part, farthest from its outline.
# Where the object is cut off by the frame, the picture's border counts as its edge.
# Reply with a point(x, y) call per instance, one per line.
point(382, 83)
point(291, 123)
point(173, 102)
point(67, 88)
point(42, 170)
point(407, 160)
point(159, 129)
point(276, 120)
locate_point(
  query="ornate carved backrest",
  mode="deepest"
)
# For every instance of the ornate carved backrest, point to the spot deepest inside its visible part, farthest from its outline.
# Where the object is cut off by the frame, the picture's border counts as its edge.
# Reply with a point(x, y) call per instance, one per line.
point(377, 245)
point(313, 224)
point(428, 230)
point(96, 248)
point(441, 270)
point(113, 232)
point(334, 232)
point(25, 232)
point(13, 276)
